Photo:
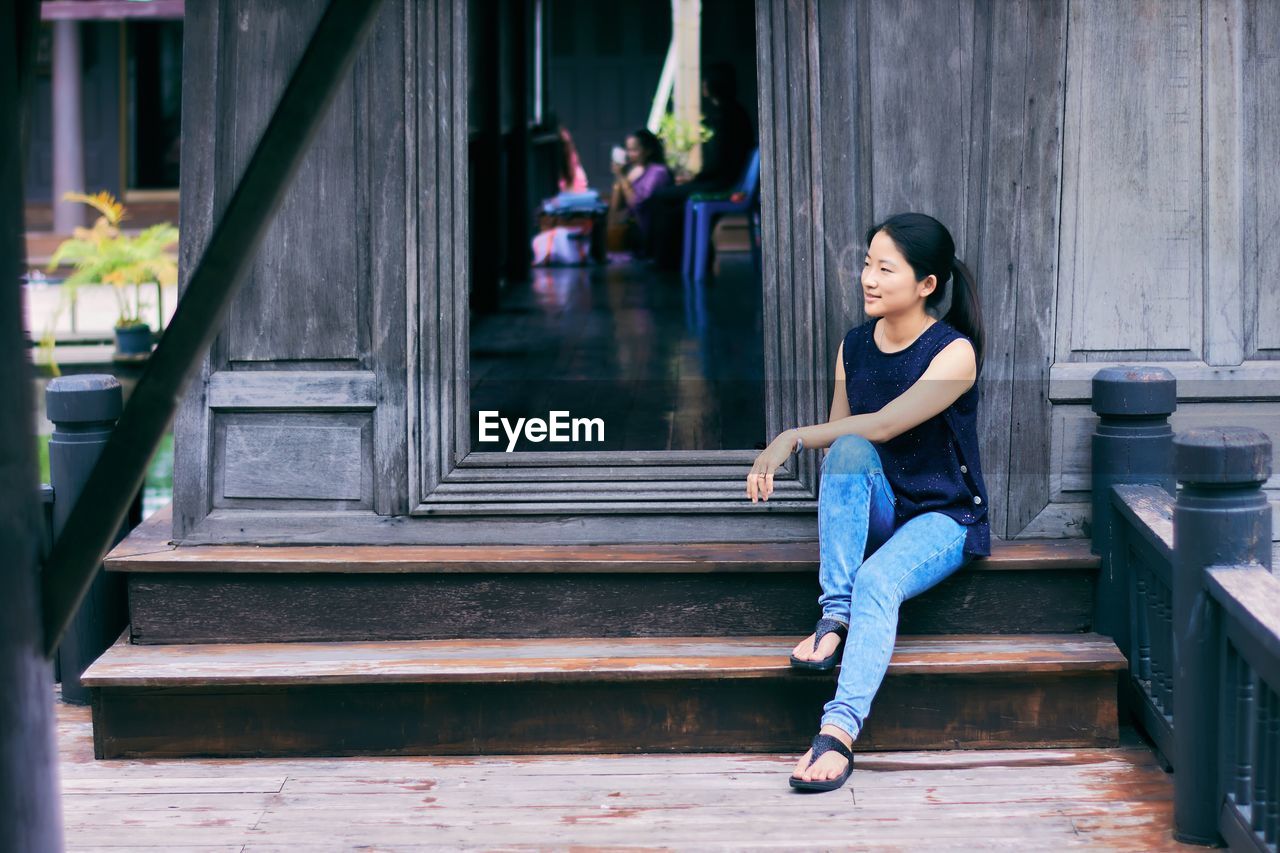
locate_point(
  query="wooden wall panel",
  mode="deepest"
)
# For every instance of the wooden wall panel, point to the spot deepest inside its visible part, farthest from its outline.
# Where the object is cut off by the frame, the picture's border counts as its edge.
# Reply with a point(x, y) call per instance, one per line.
point(921, 78)
point(1131, 223)
point(277, 460)
point(300, 404)
point(1261, 148)
point(303, 298)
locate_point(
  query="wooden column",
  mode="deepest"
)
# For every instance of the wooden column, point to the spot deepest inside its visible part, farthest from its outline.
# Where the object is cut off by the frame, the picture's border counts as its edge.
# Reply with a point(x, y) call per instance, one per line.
point(515, 71)
point(1221, 519)
point(30, 809)
point(68, 131)
point(686, 30)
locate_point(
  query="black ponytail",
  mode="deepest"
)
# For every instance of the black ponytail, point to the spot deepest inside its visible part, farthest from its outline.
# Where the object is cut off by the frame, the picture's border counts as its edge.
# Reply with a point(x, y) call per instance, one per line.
point(965, 315)
point(930, 250)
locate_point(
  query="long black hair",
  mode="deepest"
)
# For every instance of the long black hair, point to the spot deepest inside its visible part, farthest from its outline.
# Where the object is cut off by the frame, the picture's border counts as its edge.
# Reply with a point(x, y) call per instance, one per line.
point(930, 250)
point(652, 146)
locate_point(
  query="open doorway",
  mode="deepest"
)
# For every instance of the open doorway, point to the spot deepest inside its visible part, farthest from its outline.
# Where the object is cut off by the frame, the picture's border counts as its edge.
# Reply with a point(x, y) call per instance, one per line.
point(582, 298)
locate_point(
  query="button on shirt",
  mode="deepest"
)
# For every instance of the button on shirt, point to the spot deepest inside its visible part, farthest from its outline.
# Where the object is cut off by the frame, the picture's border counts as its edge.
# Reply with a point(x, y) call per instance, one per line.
point(933, 467)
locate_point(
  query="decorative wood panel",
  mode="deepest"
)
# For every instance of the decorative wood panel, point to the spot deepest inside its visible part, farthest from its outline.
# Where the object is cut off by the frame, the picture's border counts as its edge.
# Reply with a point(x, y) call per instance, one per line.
point(1131, 221)
point(304, 296)
point(299, 405)
point(1256, 22)
point(277, 461)
point(298, 460)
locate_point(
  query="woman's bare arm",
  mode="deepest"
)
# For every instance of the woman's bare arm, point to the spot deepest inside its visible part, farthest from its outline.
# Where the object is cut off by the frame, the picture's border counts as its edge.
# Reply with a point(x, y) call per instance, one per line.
point(840, 396)
point(951, 373)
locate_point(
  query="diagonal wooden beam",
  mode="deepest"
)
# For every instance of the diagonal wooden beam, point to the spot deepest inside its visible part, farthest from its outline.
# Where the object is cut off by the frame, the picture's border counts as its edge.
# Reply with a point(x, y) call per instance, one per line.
point(201, 311)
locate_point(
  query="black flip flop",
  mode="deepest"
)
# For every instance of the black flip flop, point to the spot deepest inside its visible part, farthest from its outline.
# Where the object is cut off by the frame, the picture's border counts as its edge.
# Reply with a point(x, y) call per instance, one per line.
point(825, 626)
point(823, 743)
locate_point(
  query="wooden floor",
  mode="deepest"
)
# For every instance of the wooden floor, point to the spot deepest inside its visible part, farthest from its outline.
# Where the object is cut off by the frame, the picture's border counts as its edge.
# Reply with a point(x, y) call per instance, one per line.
point(1092, 799)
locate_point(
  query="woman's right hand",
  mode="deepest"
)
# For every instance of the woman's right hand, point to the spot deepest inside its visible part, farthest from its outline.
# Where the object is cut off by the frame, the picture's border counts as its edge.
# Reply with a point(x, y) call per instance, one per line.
point(760, 480)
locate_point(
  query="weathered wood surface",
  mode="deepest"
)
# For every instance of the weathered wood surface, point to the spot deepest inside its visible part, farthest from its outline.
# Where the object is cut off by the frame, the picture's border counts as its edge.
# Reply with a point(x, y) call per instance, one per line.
point(149, 548)
point(238, 607)
point(671, 715)
point(1149, 513)
point(310, 311)
point(1015, 800)
point(570, 659)
point(1250, 600)
point(586, 695)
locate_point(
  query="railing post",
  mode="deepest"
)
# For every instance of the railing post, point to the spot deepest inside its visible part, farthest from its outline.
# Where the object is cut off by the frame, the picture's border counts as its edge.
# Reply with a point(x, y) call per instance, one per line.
point(83, 410)
point(1132, 445)
point(1221, 518)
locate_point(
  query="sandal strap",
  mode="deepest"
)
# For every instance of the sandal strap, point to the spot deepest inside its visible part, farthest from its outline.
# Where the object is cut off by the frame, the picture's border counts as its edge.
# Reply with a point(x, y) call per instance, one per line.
point(827, 626)
point(824, 742)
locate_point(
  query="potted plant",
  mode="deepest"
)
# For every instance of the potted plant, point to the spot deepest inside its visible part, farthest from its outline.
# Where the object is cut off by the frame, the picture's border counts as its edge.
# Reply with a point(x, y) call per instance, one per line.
point(102, 254)
point(679, 138)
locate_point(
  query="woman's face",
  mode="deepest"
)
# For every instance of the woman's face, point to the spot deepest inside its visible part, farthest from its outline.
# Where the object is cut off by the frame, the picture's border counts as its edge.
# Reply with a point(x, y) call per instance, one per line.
point(888, 283)
point(635, 154)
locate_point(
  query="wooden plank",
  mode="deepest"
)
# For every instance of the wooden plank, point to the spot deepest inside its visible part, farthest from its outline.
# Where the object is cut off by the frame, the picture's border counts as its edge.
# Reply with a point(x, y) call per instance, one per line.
point(570, 659)
point(143, 551)
point(1261, 150)
point(309, 605)
point(298, 306)
point(1149, 512)
point(1253, 380)
point(386, 134)
point(1073, 463)
point(312, 390)
point(200, 206)
point(1250, 600)
point(1016, 248)
point(707, 714)
point(950, 800)
point(1223, 190)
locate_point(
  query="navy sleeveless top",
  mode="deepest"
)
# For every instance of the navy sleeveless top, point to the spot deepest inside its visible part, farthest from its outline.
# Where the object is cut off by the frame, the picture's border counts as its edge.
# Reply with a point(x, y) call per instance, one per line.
point(934, 466)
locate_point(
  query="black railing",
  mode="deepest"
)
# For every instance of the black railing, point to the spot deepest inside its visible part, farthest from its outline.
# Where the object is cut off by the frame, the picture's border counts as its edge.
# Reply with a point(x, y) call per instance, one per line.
point(1188, 594)
point(84, 410)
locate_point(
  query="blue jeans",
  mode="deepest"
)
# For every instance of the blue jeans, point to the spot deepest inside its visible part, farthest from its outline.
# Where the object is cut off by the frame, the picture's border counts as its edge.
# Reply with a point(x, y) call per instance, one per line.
point(867, 569)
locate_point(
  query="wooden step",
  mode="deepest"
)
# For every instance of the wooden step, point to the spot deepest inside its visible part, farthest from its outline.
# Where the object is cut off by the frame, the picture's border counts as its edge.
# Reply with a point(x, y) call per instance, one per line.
point(680, 694)
point(245, 594)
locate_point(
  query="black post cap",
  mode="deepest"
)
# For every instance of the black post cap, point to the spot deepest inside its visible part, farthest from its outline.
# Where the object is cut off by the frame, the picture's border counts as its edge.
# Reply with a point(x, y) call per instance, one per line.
point(1134, 390)
point(85, 398)
point(1222, 455)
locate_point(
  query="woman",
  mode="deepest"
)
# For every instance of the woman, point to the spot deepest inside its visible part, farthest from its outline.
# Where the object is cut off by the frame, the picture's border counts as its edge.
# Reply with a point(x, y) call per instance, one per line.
point(644, 172)
point(902, 504)
point(572, 177)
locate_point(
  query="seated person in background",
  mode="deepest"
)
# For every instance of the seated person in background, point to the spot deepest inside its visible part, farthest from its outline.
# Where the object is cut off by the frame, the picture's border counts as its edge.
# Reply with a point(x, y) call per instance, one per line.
point(644, 173)
point(572, 177)
point(724, 157)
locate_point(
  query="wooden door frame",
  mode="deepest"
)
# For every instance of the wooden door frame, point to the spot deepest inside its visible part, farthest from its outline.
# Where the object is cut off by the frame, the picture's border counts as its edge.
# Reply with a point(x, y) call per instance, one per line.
point(449, 480)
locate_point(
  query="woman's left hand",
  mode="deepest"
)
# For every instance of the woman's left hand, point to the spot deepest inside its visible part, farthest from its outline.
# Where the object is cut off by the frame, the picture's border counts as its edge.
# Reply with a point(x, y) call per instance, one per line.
point(616, 169)
point(760, 480)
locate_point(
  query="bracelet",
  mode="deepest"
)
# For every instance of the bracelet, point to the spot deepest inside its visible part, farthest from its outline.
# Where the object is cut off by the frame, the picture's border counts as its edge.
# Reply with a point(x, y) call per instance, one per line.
point(799, 444)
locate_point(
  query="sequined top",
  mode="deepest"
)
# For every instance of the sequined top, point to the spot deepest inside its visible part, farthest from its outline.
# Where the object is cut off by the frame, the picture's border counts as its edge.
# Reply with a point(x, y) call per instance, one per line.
point(934, 466)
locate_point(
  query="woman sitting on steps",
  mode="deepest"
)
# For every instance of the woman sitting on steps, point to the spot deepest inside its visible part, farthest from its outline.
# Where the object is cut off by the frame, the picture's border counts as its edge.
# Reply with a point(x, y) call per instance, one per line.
point(902, 504)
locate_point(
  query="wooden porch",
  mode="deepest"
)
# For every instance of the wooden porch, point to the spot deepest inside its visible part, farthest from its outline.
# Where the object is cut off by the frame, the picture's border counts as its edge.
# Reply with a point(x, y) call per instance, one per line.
point(1114, 798)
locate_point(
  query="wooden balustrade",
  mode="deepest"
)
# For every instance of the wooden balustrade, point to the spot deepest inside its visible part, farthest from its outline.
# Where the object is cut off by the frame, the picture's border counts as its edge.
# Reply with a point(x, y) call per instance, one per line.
point(1192, 567)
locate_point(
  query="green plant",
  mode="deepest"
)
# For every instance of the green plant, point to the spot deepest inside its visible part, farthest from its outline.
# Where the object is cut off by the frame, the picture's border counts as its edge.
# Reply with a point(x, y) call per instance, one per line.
point(679, 137)
point(102, 254)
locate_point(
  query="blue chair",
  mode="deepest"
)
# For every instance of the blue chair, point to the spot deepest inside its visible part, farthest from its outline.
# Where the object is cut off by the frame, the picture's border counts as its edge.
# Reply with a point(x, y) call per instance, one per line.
point(702, 209)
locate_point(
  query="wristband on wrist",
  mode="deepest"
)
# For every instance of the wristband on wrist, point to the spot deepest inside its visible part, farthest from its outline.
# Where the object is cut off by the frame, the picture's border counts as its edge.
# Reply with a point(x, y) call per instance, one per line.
point(799, 443)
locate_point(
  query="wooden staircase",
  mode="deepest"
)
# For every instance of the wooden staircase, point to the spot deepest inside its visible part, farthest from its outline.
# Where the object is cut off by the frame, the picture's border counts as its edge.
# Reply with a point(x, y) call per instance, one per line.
point(335, 650)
